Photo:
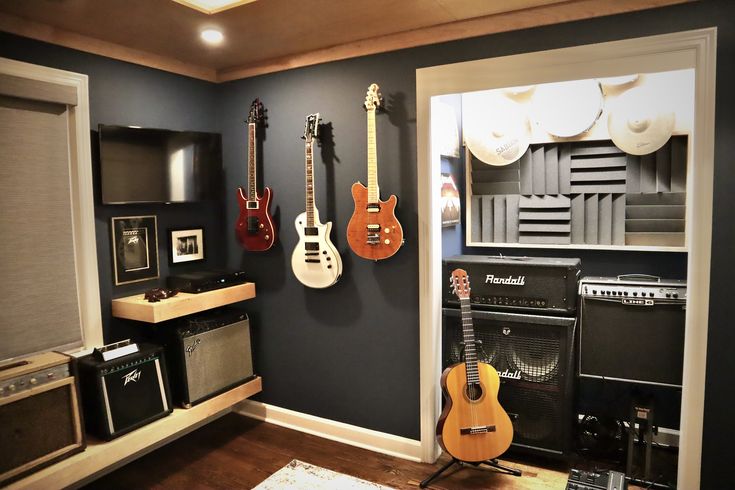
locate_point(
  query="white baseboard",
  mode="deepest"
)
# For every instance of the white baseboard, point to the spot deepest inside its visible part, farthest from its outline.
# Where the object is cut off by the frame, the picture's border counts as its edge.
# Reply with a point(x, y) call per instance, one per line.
point(381, 442)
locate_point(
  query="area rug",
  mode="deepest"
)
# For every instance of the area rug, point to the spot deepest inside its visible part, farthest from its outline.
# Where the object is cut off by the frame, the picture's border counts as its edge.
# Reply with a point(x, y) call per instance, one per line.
point(298, 475)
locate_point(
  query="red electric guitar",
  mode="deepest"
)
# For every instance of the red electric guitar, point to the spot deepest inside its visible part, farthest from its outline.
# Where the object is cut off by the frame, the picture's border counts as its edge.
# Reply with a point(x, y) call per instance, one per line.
point(254, 226)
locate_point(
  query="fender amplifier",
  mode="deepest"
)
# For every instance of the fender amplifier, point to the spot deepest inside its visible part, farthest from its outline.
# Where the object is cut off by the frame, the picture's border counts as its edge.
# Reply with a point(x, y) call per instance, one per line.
point(546, 286)
point(123, 394)
point(632, 329)
point(40, 421)
point(209, 354)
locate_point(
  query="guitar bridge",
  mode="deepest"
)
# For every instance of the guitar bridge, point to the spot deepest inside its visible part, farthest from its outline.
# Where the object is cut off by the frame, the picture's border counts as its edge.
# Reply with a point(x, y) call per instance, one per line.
point(373, 238)
point(482, 429)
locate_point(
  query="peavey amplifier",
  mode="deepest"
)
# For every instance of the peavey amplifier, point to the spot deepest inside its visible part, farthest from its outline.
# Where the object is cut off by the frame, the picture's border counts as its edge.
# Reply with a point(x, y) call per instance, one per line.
point(40, 421)
point(533, 355)
point(209, 354)
point(547, 286)
point(632, 329)
point(126, 393)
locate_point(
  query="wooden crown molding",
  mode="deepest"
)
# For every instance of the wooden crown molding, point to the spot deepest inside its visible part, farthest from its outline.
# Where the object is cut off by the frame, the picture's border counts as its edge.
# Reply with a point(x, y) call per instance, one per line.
point(44, 32)
point(520, 19)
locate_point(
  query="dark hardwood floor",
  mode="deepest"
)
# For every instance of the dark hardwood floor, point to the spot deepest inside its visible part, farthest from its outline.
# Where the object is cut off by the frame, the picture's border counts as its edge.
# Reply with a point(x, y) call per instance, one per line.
point(236, 452)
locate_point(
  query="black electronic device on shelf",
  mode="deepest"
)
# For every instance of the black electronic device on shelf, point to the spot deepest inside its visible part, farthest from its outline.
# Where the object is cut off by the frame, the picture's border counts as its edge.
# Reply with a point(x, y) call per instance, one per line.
point(199, 282)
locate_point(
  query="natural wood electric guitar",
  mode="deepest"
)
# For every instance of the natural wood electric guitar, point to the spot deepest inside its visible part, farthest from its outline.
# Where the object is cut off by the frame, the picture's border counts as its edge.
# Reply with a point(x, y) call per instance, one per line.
point(373, 231)
point(473, 426)
point(315, 260)
point(254, 226)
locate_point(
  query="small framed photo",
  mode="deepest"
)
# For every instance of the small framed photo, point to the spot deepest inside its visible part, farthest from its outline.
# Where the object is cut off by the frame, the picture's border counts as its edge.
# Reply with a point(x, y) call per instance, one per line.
point(186, 245)
point(134, 248)
point(450, 204)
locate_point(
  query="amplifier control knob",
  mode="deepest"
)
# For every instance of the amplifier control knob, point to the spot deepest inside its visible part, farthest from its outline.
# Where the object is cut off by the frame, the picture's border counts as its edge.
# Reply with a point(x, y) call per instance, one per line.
point(594, 291)
point(635, 293)
point(668, 295)
point(675, 295)
point(33, 381)
point(11, 388)
point(650, 294)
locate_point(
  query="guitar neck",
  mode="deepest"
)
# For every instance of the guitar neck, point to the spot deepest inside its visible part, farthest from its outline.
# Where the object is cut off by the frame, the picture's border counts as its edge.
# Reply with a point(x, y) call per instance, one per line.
point(470, 348)
point(251, 162)
point(372, 158)
point(309, 183)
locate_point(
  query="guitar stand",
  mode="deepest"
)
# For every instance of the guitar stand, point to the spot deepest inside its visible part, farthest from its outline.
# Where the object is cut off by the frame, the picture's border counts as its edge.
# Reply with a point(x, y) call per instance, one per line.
point(493, 463)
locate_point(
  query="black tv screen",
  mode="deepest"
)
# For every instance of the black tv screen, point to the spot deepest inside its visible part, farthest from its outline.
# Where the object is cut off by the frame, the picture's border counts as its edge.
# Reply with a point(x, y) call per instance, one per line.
point(139, 165)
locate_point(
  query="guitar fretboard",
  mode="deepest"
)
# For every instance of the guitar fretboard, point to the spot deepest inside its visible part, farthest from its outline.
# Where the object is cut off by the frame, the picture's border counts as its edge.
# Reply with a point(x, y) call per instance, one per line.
point(309, 184)
point(251, 162)
point(372, 158)
point(470, 348)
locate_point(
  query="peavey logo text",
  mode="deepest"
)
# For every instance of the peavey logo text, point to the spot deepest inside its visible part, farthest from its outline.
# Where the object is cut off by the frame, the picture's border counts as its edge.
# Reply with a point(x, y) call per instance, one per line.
point(508, 281)
point(133, 375)
point(510, 374)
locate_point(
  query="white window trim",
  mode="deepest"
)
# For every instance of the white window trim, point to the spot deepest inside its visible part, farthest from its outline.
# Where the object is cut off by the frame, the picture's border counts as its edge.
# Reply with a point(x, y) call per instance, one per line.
point(691, 49)
point(82, 200)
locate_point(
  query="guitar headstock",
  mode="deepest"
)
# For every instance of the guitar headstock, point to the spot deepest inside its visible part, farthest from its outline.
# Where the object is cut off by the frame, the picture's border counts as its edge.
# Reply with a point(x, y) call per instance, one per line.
point(311, 128)
point(460, 282)
point(256, 115)
point(372, 99)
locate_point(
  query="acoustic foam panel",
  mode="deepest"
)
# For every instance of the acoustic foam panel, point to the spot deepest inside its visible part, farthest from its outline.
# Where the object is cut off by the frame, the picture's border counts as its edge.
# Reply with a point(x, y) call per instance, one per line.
point(544, 219)
point(660, 172)
point(495, 218)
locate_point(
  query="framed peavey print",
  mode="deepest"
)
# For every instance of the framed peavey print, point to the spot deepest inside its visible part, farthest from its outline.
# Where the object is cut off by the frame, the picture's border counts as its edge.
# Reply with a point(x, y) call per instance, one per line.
point(134, 248)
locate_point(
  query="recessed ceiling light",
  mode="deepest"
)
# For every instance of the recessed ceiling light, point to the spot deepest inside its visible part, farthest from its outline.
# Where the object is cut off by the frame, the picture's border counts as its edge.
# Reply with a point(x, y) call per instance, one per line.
point(212, 6)
point(212, 36)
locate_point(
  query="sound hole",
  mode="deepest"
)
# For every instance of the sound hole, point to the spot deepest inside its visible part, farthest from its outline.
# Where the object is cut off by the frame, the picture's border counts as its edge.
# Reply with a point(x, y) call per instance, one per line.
point(473, 391)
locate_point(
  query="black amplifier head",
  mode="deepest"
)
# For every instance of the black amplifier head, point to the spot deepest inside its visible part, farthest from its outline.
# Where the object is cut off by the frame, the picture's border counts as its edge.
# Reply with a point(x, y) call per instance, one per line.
point(524, 284)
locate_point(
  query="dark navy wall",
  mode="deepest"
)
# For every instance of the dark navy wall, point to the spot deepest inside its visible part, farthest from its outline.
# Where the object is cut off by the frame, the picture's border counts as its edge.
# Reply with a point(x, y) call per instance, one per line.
point(350, 353)
point(126, 94)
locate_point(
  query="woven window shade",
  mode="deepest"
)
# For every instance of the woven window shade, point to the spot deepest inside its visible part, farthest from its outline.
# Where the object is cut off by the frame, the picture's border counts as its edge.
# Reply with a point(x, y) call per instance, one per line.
point(39, 303)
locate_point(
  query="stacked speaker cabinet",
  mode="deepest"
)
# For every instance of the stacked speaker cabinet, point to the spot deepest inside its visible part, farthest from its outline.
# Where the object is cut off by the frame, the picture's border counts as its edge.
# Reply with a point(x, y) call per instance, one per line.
point(523, 312)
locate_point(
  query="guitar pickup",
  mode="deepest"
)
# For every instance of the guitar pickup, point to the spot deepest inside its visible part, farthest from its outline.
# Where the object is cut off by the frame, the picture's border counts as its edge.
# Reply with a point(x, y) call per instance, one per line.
point(311, 246)
point(481, 429)
point(253, 224)
point(373, 227)
point(311, 231)
point(312, 261)
point(373, 208)
point(311, 254)
point(251, 205)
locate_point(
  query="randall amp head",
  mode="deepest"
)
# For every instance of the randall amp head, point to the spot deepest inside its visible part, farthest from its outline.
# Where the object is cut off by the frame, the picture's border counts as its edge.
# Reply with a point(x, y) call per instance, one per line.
point(546, 286)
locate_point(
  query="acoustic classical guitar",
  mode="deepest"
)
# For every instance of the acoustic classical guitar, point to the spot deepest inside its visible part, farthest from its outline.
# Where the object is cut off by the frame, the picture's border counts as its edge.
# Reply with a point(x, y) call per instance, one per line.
point(254, 227)
point(373, 231)
point(315, 261)
point(473, 426)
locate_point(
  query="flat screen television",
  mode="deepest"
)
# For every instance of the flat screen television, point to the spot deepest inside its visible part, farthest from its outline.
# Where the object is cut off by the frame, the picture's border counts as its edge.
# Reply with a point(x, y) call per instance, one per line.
point(140, 165)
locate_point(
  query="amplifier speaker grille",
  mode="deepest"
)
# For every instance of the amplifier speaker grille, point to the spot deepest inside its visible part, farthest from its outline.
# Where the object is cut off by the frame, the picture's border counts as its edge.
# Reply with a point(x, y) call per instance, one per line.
point(533, 355)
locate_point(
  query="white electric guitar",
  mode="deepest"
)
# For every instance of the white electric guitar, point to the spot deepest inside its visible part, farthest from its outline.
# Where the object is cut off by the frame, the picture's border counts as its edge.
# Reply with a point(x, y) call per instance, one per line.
point(316, 263)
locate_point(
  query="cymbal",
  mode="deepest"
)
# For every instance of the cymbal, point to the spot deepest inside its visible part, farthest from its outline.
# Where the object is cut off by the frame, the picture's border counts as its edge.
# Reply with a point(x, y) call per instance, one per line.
point(640, 123)
point(496, 129)
point(444, 132)
point(566, 109)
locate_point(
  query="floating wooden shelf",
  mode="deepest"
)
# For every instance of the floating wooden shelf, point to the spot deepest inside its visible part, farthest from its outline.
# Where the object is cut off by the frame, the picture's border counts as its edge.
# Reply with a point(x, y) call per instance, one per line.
point(102, 457)
point(138, 308)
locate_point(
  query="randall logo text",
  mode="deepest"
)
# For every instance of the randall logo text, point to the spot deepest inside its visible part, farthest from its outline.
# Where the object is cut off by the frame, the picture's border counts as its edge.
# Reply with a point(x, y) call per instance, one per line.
point(509, 281)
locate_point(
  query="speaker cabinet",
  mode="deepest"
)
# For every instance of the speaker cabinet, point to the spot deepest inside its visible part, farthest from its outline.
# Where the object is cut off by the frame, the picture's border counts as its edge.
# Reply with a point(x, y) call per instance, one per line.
point(126, 393)
point(210, 354)
point(40, 421)
point(533, 356)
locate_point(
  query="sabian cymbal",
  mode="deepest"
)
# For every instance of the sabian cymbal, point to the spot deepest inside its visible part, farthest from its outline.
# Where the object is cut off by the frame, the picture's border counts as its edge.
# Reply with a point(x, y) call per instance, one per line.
point(566, 109)
point(640, 123)
point(495, 128)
